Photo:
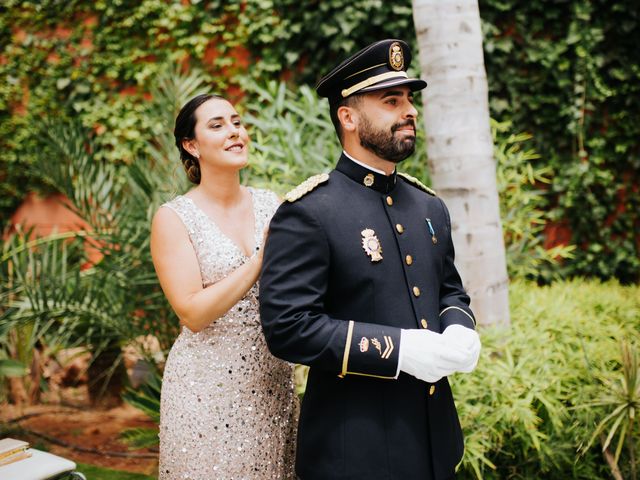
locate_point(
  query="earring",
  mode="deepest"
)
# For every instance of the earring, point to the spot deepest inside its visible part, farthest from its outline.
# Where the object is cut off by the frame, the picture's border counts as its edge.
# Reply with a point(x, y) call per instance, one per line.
point(197, 155)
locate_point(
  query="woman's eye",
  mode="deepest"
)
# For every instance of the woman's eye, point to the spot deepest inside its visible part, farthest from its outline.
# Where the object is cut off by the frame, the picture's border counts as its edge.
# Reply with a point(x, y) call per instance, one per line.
point(216, 125)
point(237, 123)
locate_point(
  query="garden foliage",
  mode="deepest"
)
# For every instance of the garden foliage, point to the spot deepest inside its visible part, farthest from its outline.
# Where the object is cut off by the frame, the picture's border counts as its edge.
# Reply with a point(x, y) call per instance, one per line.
point(566, 72)
point(543, 388)
point(547, 395)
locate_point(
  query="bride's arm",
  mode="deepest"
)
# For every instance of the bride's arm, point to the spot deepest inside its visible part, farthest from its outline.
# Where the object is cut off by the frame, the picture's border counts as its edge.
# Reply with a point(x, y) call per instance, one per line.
point(177, 268)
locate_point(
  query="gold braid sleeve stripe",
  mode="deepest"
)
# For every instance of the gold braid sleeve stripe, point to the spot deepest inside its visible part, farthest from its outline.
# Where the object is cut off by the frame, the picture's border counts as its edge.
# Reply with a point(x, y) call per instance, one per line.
point(347, 347)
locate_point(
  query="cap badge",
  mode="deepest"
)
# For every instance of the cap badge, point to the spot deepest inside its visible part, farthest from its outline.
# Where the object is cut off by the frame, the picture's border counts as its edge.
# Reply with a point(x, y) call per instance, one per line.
point(396, 58)
point(364, 344)
point(371, 245)
point(368, 179)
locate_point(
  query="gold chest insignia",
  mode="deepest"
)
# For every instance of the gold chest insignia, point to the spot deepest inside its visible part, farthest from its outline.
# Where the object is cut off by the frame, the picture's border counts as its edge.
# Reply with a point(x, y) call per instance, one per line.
point(305, 187)
point(371, 245)
point(396, 58)
point(364, 344)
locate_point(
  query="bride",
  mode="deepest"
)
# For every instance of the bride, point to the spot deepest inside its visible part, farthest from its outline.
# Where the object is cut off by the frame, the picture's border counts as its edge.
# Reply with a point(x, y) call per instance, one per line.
point(228, 408)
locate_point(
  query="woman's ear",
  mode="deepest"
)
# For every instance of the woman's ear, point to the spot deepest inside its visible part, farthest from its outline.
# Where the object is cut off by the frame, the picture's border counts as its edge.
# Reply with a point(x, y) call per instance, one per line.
point(191, 147)
point(348, 118)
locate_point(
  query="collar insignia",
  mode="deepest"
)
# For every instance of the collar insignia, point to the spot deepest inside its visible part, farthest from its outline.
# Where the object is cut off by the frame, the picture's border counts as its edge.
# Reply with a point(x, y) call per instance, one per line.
point(368, 179)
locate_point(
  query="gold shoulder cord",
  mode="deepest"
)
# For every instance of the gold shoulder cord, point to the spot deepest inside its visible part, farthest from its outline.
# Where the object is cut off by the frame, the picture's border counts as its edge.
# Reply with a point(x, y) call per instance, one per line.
point(416, 183)
point(305, 187)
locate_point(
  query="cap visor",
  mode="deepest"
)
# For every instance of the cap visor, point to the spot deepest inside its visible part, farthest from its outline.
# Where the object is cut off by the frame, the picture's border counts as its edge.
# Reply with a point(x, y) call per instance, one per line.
point(414, 84)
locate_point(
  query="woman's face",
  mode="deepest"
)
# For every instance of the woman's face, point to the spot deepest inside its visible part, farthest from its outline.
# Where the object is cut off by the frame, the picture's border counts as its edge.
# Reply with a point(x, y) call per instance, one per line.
point(220, 138)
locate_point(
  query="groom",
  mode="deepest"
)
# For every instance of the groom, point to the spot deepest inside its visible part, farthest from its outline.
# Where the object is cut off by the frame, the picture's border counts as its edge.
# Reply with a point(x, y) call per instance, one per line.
point(359, 283)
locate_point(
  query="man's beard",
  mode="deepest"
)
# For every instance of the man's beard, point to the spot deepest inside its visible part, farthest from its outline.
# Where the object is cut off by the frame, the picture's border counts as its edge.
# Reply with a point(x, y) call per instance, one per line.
point(384, 143)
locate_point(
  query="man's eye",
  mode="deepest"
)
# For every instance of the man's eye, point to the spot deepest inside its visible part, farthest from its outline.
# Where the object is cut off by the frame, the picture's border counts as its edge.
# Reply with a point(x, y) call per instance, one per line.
point(392, 101)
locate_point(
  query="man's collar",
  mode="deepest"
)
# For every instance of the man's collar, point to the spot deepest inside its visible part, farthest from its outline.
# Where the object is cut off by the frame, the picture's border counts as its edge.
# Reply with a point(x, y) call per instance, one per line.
point(366, 175)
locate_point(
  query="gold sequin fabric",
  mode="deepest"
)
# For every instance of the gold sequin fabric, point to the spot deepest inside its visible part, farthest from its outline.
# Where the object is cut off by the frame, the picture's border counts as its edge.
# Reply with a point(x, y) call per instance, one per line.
point(228, 408)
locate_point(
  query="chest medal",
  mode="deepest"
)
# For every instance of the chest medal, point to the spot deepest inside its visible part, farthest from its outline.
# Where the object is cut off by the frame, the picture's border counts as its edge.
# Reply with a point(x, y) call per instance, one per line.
point(371, 244)
point(434, 239)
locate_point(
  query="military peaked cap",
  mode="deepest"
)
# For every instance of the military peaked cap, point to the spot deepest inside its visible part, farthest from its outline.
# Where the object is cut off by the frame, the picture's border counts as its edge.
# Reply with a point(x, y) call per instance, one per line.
point(381, 65)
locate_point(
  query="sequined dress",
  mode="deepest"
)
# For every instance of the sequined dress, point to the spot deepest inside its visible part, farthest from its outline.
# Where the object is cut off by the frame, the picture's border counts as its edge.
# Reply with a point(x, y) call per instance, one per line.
point(228, 408)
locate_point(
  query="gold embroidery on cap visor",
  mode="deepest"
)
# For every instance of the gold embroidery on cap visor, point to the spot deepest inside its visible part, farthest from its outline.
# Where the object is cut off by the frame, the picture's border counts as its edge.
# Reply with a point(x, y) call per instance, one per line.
point(371, 81)
point(371, 245)
point(396, 58)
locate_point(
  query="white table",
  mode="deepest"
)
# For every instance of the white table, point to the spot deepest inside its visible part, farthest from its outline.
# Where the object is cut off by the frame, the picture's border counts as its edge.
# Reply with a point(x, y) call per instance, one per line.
point(40, 466)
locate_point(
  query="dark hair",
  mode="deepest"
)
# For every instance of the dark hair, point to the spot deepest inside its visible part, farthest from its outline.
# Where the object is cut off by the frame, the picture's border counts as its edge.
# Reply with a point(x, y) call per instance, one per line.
point(335, 104)
point(185, 130)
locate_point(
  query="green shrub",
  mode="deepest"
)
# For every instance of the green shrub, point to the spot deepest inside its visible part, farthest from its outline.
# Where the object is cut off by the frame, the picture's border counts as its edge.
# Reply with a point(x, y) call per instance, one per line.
point(523, 181)
point(532, 406)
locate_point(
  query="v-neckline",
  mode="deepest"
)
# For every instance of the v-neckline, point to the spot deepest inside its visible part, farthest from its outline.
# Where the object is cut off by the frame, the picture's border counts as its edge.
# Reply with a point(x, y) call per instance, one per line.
point(221, 232)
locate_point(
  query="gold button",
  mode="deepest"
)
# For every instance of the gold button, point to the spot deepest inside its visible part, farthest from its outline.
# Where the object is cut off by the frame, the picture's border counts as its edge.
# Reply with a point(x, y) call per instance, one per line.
point(432, 389)
point(389, 201)
point(408, 259)
point(416, 291)
point(423, 322)
point(399, 228)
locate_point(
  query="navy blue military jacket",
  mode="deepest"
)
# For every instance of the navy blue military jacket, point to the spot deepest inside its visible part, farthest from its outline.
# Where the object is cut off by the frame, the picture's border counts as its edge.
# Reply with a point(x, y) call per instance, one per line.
point(346, 267)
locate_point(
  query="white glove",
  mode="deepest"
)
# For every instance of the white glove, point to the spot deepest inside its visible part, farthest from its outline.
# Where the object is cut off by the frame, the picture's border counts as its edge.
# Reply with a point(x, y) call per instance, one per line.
point(465, 340)
point(427, 356)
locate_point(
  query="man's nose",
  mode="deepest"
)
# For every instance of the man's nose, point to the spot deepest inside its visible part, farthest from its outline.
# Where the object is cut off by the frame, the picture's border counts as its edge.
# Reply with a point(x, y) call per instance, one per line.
point(411, 111)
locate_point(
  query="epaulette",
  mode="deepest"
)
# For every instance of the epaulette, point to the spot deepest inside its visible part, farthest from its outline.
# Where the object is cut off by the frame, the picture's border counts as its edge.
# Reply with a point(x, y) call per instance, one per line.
point(416, 183)
point(306, 186)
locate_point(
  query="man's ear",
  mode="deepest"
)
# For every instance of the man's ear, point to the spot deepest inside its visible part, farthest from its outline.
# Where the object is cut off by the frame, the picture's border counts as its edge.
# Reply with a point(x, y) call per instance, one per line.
point(190, 146)
point(348, 118)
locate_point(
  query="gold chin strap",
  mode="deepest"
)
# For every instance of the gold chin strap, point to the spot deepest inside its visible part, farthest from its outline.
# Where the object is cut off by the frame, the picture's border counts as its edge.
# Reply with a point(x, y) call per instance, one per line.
point(372, 80)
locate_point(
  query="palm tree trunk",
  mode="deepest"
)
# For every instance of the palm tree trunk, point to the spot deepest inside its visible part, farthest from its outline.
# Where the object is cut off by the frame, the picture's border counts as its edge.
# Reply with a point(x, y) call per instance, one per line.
point(460, 148)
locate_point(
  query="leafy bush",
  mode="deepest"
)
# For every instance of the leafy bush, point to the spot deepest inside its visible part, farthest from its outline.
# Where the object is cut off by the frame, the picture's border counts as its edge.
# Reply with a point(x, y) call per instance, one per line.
point(147, 400)
point(532, 406)
point(522, 186)
point(52, 287)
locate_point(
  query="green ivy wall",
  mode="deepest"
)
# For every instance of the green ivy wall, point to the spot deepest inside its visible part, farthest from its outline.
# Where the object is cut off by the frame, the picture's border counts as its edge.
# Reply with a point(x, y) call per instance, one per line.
point(566, 71)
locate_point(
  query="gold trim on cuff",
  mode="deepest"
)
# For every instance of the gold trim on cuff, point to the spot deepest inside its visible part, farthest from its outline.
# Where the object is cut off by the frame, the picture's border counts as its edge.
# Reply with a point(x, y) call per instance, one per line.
point(371, 80)
point(463, 311)
point(347, 347)
point(368, 375)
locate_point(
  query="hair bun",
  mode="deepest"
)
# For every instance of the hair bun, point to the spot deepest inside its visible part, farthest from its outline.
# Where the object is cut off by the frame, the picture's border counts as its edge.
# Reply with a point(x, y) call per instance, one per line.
point(192, 167)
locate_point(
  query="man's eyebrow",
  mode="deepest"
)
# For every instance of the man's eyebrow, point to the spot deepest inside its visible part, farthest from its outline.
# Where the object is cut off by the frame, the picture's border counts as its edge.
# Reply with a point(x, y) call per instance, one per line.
point(236, 115)
point(392, 93)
